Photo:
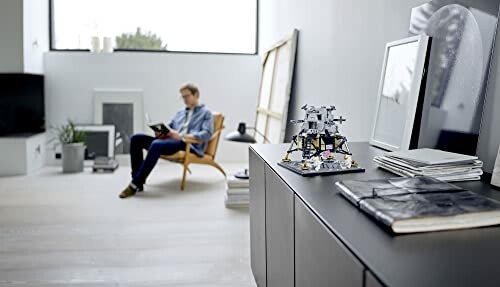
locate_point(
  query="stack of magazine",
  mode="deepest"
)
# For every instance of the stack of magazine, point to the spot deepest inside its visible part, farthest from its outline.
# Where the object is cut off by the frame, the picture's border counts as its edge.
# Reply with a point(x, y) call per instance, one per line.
point(445, 166)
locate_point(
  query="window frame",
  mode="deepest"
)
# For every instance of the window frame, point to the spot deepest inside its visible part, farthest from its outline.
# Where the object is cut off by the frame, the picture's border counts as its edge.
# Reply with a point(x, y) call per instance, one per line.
point(53, 49)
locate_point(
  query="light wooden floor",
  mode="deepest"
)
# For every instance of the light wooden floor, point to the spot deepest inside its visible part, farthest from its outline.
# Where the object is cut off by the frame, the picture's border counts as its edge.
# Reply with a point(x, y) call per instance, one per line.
point(73, 230)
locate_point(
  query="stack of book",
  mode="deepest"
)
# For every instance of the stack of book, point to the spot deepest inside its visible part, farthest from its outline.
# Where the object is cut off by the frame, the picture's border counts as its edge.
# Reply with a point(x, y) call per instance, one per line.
point(420, 204)
point(237, 192)
point(445, 166)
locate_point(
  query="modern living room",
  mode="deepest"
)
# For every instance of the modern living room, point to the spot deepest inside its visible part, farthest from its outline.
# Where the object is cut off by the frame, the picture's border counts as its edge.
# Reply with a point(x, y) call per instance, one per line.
point(249, 143)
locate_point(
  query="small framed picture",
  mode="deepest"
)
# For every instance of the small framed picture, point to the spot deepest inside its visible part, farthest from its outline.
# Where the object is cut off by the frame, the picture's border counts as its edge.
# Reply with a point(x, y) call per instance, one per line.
point(100, 140)
point(402, 79)
point(495, 178)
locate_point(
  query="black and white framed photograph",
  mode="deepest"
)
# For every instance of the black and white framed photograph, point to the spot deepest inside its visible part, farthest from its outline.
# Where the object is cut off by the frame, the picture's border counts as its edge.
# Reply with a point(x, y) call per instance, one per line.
point(122, 108)
point(99, 140)
point(463, 37)
point(401, 81)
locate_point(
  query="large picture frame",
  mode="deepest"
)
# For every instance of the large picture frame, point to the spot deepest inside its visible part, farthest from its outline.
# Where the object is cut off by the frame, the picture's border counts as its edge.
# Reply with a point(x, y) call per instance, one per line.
point(122, 108)
point(278, 67)
point(463, 44)
point(402, 80)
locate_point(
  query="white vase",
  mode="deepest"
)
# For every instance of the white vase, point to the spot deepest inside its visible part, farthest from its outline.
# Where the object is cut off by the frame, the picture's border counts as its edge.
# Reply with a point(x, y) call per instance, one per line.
point(95, 44)
point(107, 45)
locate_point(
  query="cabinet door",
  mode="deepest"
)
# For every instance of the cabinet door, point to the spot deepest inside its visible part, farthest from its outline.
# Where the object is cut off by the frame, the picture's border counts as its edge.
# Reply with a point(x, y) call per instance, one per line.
point(279, 231)
point(371, 281)
point(35, 153)
point(257, 218)
point(320, 258)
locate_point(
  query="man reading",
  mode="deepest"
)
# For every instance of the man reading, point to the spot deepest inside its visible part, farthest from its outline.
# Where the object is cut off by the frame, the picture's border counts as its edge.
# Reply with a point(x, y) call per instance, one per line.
point(192, 122)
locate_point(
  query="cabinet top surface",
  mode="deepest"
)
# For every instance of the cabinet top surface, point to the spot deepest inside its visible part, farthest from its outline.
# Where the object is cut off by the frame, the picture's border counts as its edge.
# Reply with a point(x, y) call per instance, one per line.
point(456, 258)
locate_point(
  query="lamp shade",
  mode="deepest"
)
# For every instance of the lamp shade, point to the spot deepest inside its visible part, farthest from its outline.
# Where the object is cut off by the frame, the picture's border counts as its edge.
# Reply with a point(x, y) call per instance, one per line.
point(240, 135)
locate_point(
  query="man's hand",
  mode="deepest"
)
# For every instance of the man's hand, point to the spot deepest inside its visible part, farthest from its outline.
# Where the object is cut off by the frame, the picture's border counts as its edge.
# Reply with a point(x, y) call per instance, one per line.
point(189, 137)
point(174, 135)
point(160, 135)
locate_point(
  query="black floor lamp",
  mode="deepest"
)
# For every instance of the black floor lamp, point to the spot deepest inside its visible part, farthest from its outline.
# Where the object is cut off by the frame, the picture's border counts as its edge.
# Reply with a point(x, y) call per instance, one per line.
point(241, 136)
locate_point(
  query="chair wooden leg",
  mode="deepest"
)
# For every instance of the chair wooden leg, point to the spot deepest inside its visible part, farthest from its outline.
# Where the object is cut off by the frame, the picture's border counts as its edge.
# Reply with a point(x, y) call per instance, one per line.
point(189, 170)
point(217, 166)
point(183, 182)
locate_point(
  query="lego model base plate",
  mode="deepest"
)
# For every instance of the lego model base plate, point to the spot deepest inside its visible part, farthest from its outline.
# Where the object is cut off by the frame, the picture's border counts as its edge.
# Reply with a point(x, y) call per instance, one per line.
point(331, 167)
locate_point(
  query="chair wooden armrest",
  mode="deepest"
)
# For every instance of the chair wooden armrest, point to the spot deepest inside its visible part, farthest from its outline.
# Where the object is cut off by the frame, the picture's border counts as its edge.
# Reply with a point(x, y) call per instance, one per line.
point(216, 133)
point(195, 141)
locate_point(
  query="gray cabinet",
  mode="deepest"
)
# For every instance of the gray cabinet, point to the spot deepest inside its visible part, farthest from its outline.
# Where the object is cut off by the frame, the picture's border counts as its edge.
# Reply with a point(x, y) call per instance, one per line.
point(258, 218)
point(279, 231)
point(335, 244)
point(290, 246)
point(320, 258)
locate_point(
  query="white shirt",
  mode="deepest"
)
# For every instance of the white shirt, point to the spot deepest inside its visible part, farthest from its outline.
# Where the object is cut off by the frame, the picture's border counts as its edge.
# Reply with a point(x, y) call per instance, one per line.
point(184, 128)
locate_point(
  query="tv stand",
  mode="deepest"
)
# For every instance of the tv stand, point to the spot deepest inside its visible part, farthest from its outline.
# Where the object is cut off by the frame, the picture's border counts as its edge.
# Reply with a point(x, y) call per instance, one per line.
point(21, 154)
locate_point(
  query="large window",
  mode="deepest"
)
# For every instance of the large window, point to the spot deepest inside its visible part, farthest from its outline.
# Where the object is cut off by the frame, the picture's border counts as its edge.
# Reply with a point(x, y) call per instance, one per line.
point(218, 26)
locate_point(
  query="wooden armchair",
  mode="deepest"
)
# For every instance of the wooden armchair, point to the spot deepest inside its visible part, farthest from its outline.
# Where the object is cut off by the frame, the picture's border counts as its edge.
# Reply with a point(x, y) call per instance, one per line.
point(186, 157)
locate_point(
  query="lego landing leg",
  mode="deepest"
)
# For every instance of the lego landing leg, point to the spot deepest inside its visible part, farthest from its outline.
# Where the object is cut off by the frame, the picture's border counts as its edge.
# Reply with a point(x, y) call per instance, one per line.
point(290, 150)
point(304, 165)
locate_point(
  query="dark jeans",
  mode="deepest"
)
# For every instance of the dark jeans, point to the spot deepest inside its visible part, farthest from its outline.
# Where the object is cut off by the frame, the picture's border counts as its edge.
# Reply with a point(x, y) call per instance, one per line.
point(141, 167)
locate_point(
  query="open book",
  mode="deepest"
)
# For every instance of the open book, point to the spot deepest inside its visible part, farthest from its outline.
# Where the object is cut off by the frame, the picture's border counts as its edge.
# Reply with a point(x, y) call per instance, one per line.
point(157, 127)
point(420, 204)
point(160, 128)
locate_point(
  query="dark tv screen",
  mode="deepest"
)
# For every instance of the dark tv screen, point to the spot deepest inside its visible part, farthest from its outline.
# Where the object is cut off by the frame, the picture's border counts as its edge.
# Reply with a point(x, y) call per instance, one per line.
point(22, 110)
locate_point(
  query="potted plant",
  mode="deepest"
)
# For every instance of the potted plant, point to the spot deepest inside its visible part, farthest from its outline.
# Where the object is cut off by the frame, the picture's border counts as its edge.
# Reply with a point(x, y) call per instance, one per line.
point(73, 147)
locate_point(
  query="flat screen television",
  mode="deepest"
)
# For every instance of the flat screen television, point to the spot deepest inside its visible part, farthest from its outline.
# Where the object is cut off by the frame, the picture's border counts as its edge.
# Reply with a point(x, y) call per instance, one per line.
point(22, 108)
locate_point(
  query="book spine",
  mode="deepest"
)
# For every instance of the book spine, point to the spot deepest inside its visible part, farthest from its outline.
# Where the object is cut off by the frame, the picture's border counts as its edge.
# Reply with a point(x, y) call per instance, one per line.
point(346, 192)
point(378, 215)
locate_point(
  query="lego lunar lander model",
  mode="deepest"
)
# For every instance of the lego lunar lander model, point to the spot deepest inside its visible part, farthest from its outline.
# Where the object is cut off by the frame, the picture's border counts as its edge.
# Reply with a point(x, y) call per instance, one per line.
point(319, 140)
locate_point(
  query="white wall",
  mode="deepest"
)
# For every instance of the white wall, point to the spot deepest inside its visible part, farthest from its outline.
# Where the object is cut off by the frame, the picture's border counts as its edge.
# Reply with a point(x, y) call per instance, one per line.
point(11, 36)
point(228, 83)
point(24, 35)
point(36, 34)
point(340, 54)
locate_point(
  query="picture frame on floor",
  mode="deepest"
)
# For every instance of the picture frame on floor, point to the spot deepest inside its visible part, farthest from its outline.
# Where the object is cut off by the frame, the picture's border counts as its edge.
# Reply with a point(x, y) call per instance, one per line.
point(100, 140)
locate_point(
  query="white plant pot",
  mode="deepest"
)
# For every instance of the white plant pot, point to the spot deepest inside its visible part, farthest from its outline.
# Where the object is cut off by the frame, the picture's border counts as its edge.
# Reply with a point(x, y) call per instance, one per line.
point(73, 157)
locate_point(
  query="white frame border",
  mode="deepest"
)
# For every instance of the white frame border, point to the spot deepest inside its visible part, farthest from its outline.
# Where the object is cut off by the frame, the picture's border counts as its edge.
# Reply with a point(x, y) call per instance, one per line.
point(423, 47)
point(120, 96)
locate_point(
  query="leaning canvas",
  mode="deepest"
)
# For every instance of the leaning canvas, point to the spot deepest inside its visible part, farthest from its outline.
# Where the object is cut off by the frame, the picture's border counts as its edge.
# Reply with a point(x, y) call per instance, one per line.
point(275, 90)
point(495, 178)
